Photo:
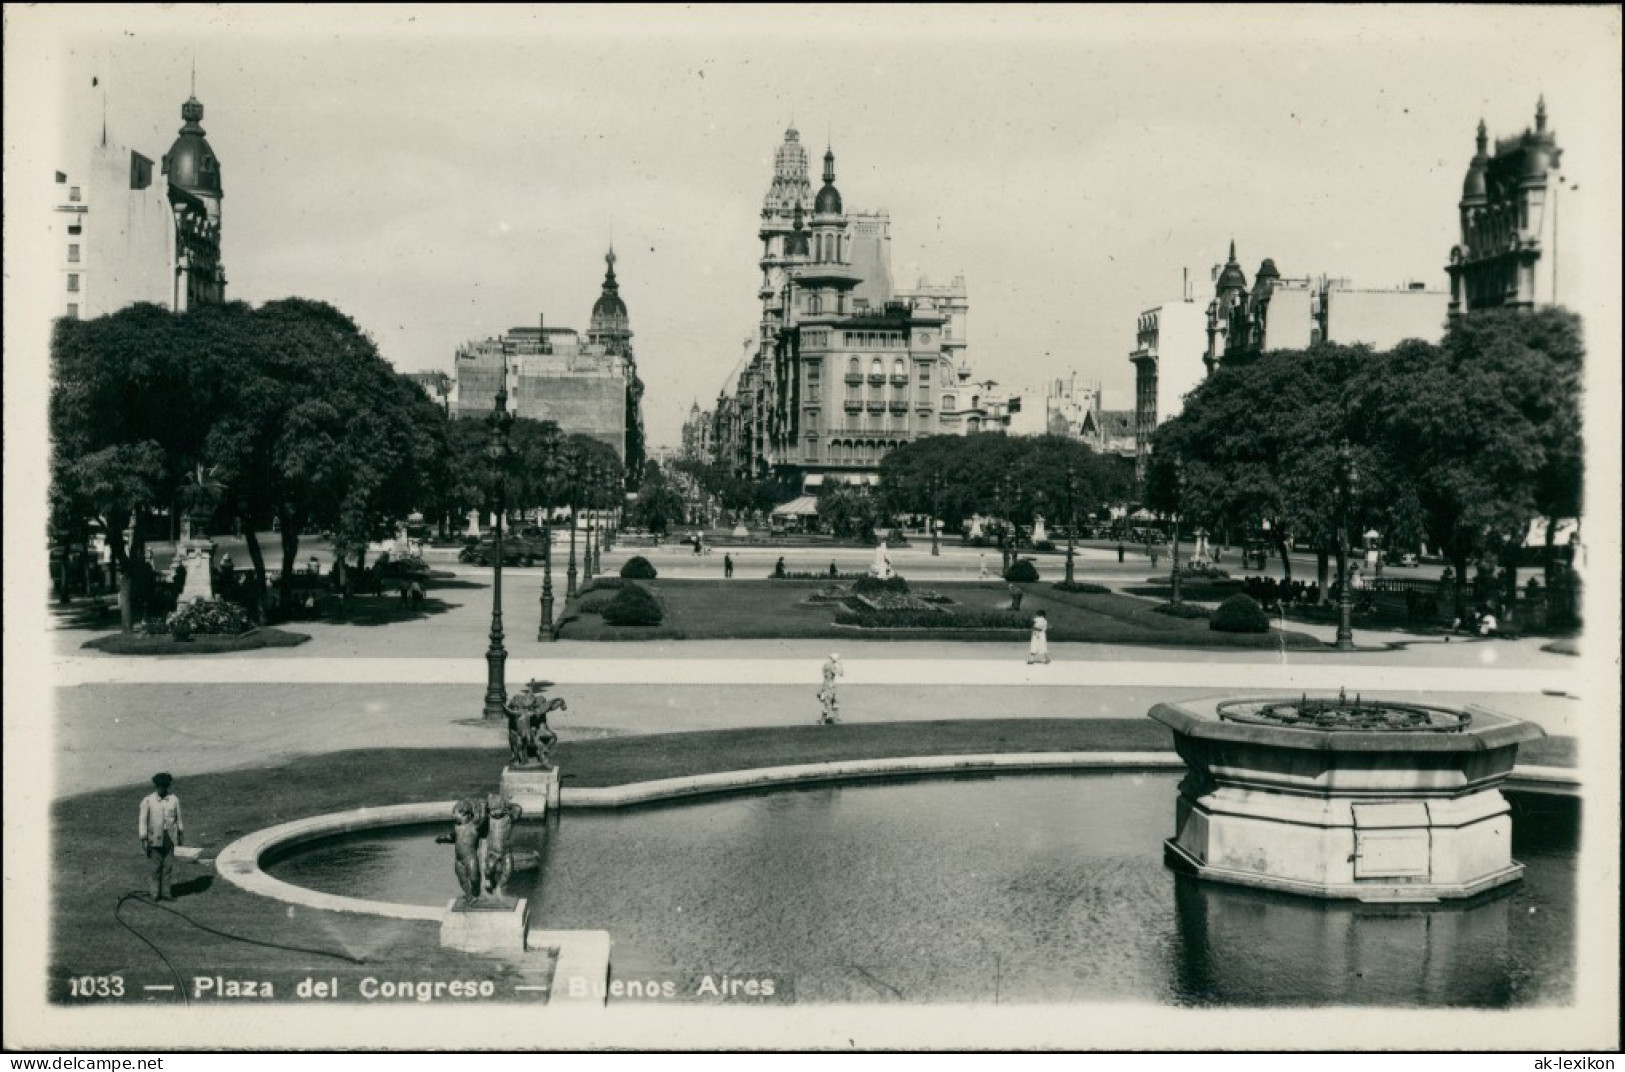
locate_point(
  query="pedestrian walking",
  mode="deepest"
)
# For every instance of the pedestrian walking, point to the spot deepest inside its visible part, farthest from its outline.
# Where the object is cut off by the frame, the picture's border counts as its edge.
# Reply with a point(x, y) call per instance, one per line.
point(414, 593)
point(727, 565)
point(1015, 598)
point(826, 694)
point(983, 564)
point(1038, 645)
point(1119, 552)
point(1153, 553)
point(778, 567)
point(160, 830)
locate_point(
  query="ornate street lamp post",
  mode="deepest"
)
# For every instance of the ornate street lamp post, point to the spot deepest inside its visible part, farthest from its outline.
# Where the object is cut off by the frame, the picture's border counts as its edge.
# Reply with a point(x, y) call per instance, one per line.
point(936, 513)
point(1179, 497)
point(496, 656)
point(572, 459)
point(1345, 598)
point(544, 629)
point(1071, 515)
point(590, 501)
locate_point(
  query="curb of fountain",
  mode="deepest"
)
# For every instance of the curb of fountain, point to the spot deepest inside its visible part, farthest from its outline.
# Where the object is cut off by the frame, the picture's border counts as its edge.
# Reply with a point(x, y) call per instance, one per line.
point(239, 862)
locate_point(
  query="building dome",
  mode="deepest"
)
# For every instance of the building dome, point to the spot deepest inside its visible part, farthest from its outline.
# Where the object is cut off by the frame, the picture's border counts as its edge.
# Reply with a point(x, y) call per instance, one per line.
point(609, 311)
point(1232, 278)
point(1474, 186)
point(828, 202)
point(190, 162)
point(1267, 270)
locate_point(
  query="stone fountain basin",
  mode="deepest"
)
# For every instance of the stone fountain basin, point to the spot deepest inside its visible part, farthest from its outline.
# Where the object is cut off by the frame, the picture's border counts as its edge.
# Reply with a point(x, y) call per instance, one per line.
point(1372, 815)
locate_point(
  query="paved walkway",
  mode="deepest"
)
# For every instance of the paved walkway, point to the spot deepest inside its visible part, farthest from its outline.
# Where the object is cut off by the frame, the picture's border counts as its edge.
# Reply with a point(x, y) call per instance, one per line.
point(397, 684)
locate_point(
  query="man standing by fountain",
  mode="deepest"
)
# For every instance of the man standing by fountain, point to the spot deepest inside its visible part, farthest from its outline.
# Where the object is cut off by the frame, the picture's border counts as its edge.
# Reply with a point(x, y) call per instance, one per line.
point(161, 832)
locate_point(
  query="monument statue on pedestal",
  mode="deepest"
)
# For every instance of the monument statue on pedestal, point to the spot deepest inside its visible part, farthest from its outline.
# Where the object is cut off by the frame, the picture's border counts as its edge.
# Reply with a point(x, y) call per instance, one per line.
point(469, 819)
point(501, 814)
point(881, 566)
point(530, 739)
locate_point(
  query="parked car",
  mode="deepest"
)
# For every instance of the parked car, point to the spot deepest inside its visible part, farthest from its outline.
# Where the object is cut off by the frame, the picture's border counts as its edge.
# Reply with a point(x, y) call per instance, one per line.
point(517, 550)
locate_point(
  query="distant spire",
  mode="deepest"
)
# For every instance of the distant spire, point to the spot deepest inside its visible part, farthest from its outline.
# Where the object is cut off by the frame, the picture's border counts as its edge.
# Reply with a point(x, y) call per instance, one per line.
point(1540, 115)
point(1232, 251)
point(829, 166)
point(609, 260)
point(194, 74)
point(1483, 138)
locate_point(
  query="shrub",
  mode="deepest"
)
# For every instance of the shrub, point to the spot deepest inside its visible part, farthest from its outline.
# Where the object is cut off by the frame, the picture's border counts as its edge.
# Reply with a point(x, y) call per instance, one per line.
point(1044, 545)
point(1240, 614)
point(595, 602)
point(601, 584)
point(867, 585)
point(214, 617)
point(633, 605)
point(638, 568)
point(1022, 571)
point(1183, 610)
point(1082, 586)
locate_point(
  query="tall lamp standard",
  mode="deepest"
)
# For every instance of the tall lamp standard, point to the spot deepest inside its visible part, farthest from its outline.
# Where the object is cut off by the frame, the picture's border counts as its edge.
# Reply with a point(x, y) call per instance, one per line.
point(1179, 495)
point(497, 453)
point(544, 629)
point(1071, 515)
point(936, 513)
point(590, 501)
point(1346, 480)
point(572, 459)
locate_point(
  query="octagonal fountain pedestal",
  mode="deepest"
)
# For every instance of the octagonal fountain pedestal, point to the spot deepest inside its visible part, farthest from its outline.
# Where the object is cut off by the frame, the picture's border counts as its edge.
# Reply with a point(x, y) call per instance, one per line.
point(1330, 798)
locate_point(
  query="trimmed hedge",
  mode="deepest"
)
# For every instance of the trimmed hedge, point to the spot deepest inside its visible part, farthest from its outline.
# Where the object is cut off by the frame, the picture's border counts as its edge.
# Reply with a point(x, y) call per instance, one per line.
point(1183, 610)
point(633, 605)
point(1082, 586)
point(867, 585)
point(1022, 572)
point(638, 568)
point(1240, 614)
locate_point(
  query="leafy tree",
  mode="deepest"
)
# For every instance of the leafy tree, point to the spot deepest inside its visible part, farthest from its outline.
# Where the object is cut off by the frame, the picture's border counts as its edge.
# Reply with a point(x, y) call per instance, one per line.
point(848, 511)
point(659, 503)
point(1000, 475)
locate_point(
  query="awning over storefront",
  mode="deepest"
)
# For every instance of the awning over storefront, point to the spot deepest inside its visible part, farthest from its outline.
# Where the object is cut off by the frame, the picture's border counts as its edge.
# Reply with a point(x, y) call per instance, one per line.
point(806, 506)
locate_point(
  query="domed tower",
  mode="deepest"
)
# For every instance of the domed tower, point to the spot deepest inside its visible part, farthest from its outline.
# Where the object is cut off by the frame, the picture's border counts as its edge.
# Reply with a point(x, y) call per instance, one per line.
point(195, 193)
point(1230, 292)
point(610, 327)
point(829, 221)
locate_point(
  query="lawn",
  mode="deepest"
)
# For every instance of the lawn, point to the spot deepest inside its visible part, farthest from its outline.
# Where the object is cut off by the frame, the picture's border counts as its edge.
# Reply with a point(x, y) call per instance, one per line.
point(764, 609)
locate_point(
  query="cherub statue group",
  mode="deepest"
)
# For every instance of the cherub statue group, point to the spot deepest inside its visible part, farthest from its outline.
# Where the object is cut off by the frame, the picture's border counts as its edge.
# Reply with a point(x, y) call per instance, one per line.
point(491, 820)
point(530, 740)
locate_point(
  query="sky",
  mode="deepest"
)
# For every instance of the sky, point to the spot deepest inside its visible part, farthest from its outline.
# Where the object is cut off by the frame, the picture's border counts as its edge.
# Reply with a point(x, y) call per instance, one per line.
point(441, 175)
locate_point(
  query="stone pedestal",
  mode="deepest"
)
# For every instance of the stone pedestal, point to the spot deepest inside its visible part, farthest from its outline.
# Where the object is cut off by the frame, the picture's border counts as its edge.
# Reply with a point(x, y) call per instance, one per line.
point(488, 928)
point(533, 788)
point(1040, 534)
point(1367, 815)
point(197, 555)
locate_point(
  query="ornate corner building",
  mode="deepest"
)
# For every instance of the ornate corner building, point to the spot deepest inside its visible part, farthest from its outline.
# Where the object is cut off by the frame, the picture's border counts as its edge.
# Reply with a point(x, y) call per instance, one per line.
point(843, 366)
point(1508, 253)
point(123, 239)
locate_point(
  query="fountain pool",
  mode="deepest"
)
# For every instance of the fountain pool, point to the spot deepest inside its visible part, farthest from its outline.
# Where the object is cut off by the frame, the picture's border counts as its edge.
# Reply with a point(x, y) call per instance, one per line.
point(1010, 888)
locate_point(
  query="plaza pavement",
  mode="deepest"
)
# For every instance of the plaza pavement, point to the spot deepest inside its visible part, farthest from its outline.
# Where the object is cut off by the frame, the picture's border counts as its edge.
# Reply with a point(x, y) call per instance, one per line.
point(418, 681)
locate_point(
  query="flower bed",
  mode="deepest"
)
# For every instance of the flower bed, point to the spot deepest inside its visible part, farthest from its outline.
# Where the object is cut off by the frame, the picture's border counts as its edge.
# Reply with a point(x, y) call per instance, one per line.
point(1081, 586)
point(164, 644)
point(206, 617)
point(929, 618)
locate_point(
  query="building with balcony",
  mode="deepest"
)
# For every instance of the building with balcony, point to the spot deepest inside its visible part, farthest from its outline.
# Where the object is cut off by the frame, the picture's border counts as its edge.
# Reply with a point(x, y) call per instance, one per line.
point(843, 366)
point(1516, 249)
point(119, 236)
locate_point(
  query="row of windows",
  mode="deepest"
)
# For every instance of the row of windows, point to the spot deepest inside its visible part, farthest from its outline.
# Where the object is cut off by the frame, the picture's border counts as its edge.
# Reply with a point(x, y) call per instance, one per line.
point(873, 339)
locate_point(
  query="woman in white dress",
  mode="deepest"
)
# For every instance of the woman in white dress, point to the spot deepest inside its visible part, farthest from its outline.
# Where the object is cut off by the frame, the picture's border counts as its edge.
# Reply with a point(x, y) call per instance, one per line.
point(1038, 646)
